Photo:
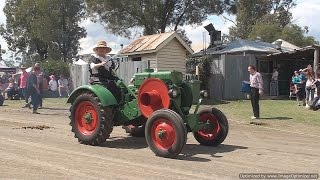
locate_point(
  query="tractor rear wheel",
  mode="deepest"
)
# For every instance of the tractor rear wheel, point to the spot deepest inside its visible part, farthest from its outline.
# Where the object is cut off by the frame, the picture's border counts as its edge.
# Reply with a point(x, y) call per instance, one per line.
point(165, 133)
point(218, 131)
point(91, 122)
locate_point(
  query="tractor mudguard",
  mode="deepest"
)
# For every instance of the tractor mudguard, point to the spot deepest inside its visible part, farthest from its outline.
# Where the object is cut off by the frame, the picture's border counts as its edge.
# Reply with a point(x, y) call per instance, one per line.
point(105, 96)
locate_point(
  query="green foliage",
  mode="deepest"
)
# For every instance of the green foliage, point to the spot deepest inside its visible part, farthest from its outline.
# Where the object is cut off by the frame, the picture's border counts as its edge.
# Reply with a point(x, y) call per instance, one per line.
point(252, 12)
point(269, 20)
point(267, 32)
point(57, 68)
point(153, 16)
point(45, 27)
point(205, 71)
point(295, 35)
point(291, 33)
point(248, 11)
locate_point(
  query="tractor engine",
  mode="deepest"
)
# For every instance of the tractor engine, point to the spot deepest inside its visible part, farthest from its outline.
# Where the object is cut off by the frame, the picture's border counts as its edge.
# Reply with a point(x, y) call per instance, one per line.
point(163, 89)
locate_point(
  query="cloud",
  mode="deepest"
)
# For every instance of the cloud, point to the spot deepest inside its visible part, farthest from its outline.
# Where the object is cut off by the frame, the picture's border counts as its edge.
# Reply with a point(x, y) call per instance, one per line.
point(96, 32)
point(2, 20)
point(306, 13)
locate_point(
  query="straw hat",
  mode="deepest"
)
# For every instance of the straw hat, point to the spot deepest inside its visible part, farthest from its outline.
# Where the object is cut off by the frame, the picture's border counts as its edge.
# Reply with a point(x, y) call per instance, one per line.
point(102, 44)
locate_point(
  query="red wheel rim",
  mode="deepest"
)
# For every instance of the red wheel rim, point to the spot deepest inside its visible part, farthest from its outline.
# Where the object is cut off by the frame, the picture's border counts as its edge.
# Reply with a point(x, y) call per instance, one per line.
point(212, 133)
point(152, 96)
point(163, 134)
point(86, 117)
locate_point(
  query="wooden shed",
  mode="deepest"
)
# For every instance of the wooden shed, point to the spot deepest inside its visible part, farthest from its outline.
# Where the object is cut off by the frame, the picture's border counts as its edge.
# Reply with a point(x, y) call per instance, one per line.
point(165, 51)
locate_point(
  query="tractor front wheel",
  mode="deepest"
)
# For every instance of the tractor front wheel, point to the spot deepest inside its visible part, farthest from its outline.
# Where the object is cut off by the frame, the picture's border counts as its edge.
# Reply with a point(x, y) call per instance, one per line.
point(217, 129)
point(91, 123)
point(165, 133)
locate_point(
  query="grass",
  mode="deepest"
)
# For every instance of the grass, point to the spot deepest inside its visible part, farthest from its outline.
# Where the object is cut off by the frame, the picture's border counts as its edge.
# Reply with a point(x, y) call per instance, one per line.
point(238, 110)
point(270, 110)
point(47, 102)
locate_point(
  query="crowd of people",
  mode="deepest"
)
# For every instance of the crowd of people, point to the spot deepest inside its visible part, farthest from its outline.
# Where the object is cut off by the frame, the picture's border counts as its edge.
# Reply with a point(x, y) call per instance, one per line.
point(305, 85)
point(31, 87)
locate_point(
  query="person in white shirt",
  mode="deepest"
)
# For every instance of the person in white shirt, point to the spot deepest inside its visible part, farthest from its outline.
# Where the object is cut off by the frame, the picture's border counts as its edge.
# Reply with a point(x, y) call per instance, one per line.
point(53, 85)
point(63, 85)
point(256, 84)
point(274, 83)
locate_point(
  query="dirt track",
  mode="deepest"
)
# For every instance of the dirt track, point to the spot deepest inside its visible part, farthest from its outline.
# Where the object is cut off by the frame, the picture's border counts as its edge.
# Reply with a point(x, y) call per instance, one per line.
point(27, 152)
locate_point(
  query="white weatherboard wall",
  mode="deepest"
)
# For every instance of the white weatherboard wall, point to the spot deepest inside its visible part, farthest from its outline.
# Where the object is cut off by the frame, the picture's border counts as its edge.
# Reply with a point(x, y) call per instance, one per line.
point(172, 57)
point(129, 68)
point(80, 73)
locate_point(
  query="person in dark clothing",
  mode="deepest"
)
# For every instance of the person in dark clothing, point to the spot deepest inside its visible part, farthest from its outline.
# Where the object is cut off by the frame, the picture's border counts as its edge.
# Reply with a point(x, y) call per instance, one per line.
point(315, 104)
point(101, 67)
point(33, 89)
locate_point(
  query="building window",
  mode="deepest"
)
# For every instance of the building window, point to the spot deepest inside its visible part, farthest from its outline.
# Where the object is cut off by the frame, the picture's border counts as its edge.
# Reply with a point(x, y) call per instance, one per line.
point(136, 59)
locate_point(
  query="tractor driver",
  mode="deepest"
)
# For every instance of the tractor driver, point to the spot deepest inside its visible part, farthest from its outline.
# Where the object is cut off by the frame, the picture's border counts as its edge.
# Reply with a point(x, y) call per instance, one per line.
point(101, 67)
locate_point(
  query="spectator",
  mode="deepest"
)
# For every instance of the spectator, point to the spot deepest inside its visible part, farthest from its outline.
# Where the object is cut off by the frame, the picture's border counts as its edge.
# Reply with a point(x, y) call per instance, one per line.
point(40, 84)
point(302, 86)
point(63, 86)
point(2, 88)
point(256, 85)
point(274, 83)
point(315, 104)
point(310, 86)
point(23, 84)
point(53, 85)
point(296, 80)
point(33, 88)
point(10, 90)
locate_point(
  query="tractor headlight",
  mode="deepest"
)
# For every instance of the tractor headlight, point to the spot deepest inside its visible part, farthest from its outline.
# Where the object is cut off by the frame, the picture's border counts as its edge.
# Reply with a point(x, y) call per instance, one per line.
point(173, 93)
point(203, 94)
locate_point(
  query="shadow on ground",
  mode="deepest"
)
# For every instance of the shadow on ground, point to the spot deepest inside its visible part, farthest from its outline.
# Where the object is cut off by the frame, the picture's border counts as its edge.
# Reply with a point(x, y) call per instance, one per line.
point(54, 108)
point(188, 153)
point(127, 142)
point(213, 102)
point(191, 150)
point(276, 118)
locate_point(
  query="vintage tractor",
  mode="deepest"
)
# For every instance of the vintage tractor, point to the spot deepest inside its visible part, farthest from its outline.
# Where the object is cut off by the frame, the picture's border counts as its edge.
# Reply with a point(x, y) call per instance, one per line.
point(157, 105)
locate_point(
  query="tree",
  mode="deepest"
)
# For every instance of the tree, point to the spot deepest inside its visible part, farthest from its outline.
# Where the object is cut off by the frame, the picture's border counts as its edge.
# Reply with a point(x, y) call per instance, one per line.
point(267, 32)
point(252, 12)
point(153, 16)
point(45, 27)
point(291, 33)
point(296, 35)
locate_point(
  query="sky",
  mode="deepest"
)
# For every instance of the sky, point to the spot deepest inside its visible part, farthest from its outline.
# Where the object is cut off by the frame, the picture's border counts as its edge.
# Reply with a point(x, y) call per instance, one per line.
point(306, 13)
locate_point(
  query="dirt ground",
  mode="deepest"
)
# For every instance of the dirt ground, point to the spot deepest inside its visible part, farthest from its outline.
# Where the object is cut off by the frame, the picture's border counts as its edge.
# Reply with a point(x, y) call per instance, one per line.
point(43, 147)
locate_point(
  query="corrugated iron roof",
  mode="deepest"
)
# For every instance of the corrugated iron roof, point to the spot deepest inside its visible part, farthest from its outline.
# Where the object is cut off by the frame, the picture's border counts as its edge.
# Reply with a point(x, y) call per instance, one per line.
point(150, 43)
point(146, 43)
point(241, 45)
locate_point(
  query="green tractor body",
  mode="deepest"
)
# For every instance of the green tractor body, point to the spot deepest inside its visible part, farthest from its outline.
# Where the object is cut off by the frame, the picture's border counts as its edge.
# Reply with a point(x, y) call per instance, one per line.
point(156, 105)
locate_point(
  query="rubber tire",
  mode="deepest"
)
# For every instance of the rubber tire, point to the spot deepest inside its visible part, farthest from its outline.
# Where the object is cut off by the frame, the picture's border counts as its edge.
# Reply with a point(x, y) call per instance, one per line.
point(179, 126)
point(222, 119)
point(104, 124)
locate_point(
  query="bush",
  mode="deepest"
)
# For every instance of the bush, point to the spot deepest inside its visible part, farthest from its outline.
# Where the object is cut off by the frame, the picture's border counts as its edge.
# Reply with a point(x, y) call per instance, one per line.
point(205, 72)
point(57, 68)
